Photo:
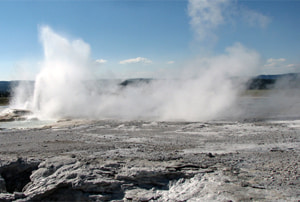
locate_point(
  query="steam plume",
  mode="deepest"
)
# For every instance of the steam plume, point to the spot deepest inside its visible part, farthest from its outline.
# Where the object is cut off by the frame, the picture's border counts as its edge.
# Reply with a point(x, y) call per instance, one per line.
point(65, 87)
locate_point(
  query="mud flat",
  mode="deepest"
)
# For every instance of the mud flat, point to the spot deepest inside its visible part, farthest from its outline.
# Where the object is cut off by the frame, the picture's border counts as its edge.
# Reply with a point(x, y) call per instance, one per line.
point(110, 160)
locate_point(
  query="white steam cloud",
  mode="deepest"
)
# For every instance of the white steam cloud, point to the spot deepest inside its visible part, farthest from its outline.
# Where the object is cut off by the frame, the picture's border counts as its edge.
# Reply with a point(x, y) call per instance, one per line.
point(211, 90)
point(66, 86)
point(59, 87)
point(208, 15)
point(254, 18)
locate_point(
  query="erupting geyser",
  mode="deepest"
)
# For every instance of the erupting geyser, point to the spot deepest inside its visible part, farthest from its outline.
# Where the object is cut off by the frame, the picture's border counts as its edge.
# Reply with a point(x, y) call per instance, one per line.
point(67, 87)
point(59, 88)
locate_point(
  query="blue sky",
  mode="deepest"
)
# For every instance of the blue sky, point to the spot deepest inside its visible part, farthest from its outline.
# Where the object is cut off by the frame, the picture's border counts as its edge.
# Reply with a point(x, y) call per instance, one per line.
point(150, 34)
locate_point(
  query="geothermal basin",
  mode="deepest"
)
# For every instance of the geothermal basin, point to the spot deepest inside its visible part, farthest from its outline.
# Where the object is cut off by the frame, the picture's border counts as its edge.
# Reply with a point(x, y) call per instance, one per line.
point(135, 160)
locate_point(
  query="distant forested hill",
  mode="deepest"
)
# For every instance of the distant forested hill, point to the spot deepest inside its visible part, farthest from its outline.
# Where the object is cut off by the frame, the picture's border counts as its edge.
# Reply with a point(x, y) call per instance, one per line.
point(259, 82)
point(5, 88)
point(271, 81)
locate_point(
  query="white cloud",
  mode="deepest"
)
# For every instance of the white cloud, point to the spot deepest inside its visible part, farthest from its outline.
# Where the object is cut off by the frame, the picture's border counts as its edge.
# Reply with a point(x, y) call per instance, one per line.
point(136, 60)
point(291, 68)
point(280, 66)
point(290, 65)
point(254, 18)
point(272, 62)
point(101, 61)
point(170, 62)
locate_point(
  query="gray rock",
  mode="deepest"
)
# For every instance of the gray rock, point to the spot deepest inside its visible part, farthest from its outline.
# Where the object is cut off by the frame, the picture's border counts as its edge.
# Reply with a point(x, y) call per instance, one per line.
point(142, 161)
point(14, 114)
point(16, 174)
point(2, 185)
point(69, 177)
point(6, 197)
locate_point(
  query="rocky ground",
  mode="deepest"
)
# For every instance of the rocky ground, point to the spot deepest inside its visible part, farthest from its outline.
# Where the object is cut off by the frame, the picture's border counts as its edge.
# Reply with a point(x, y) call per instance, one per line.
point(109, 160)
